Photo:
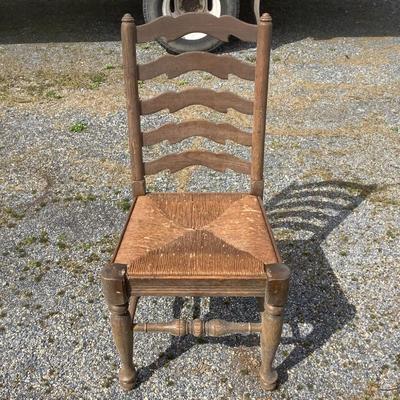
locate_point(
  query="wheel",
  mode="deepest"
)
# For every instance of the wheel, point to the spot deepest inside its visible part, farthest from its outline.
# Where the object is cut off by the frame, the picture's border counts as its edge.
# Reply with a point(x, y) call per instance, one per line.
point(193, 41)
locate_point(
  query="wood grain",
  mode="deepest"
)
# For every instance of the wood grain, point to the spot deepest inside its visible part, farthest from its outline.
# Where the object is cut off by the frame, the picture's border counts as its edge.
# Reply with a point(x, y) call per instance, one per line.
point(219, 66)
point(217, 161)
point(172, 28)
point(115, 288)
point(276, 295)
point(128, 36)
point(198, 327)
point(219, 133)
point(175, 101)
point(207, 286)
point(260, 104)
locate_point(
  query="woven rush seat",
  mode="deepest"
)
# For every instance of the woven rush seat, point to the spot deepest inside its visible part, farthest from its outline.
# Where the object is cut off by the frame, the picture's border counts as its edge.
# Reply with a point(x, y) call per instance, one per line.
point(196, 235)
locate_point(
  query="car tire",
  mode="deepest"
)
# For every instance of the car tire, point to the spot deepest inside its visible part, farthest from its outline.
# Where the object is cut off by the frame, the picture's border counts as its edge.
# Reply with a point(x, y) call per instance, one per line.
point(153, 9)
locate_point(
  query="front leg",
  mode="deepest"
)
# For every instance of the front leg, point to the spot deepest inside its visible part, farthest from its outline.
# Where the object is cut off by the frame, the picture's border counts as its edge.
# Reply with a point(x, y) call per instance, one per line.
point(115, 290)
point(272, 321)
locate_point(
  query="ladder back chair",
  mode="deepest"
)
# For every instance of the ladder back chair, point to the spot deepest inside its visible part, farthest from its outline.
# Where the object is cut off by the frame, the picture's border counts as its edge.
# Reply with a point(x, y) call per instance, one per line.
point(196, 244)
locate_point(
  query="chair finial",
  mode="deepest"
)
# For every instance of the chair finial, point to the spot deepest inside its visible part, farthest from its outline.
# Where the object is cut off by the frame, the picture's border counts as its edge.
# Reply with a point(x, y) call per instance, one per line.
point(127, 18)
point(265, 18)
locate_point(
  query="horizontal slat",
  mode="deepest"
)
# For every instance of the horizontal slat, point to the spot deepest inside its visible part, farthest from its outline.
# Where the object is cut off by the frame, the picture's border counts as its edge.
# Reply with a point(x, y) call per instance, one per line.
point(198, 287)
point(220, 66)
point(216, 161)
point(218, 101)
point(171, 28)
point(198, 327)
point(175, 133)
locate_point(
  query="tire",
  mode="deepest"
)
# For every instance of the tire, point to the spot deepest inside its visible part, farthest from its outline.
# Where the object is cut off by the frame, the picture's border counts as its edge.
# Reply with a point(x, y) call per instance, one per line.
point(154, 8)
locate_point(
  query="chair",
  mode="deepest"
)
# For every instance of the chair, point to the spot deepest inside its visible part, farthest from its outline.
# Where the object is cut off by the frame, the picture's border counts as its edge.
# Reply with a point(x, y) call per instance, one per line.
point(196, 244)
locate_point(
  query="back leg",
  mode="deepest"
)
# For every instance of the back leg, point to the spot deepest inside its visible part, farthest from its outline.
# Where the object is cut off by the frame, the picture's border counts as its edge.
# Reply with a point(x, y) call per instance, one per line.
point(272, 321)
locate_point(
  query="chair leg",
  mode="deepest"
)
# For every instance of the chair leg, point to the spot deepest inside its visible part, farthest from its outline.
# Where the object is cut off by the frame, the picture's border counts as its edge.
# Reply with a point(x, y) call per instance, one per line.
point(260, 304)
point(115, 290)
point(272, 321)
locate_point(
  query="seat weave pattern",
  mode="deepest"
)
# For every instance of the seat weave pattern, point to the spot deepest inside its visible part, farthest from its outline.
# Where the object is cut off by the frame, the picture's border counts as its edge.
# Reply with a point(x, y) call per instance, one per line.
point(196, 234)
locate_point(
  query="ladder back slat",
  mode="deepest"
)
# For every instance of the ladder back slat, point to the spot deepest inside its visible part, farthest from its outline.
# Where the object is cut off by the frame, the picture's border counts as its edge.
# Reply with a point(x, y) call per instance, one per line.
point(175, 133)
point(219, 66)
point(172, 28)
point(175, 101)
point(217, 161)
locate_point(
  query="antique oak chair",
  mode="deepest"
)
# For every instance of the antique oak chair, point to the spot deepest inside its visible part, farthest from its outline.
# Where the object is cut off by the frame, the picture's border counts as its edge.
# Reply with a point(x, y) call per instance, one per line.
point(196, 244)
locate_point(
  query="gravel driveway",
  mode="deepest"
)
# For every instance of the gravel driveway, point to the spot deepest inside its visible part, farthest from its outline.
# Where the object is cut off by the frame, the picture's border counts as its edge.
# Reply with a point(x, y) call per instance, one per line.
point(332, 192)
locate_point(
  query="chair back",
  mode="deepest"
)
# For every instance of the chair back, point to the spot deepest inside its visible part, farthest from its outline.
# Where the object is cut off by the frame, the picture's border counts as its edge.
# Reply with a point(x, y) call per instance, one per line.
point(171, 28)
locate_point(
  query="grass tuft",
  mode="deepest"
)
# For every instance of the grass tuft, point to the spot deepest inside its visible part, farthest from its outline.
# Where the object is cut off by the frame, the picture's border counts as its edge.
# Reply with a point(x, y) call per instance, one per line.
point(124, 204)
point(96, 80)
point(78, 127)
point(52, 94)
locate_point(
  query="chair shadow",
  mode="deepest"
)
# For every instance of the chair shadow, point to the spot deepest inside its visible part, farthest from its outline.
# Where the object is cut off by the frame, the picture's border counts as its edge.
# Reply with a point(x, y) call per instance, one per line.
point(304, 215)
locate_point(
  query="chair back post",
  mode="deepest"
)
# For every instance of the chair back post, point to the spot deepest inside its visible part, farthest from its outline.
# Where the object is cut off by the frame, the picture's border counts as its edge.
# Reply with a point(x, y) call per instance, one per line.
point(264, 35)
point(128, 35)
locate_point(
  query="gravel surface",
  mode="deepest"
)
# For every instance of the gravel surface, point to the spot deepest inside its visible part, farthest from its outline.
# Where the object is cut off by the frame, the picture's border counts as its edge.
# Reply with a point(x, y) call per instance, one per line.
point(332, 193)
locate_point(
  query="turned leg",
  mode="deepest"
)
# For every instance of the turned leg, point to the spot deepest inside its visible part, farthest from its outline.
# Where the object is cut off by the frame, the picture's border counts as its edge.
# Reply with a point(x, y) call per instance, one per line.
point(132, 306)
point(115, 290)
point(272, 320)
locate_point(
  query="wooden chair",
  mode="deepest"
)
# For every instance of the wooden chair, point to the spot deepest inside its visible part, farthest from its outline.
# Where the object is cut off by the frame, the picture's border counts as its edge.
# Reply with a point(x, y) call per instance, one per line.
point(196, 244)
